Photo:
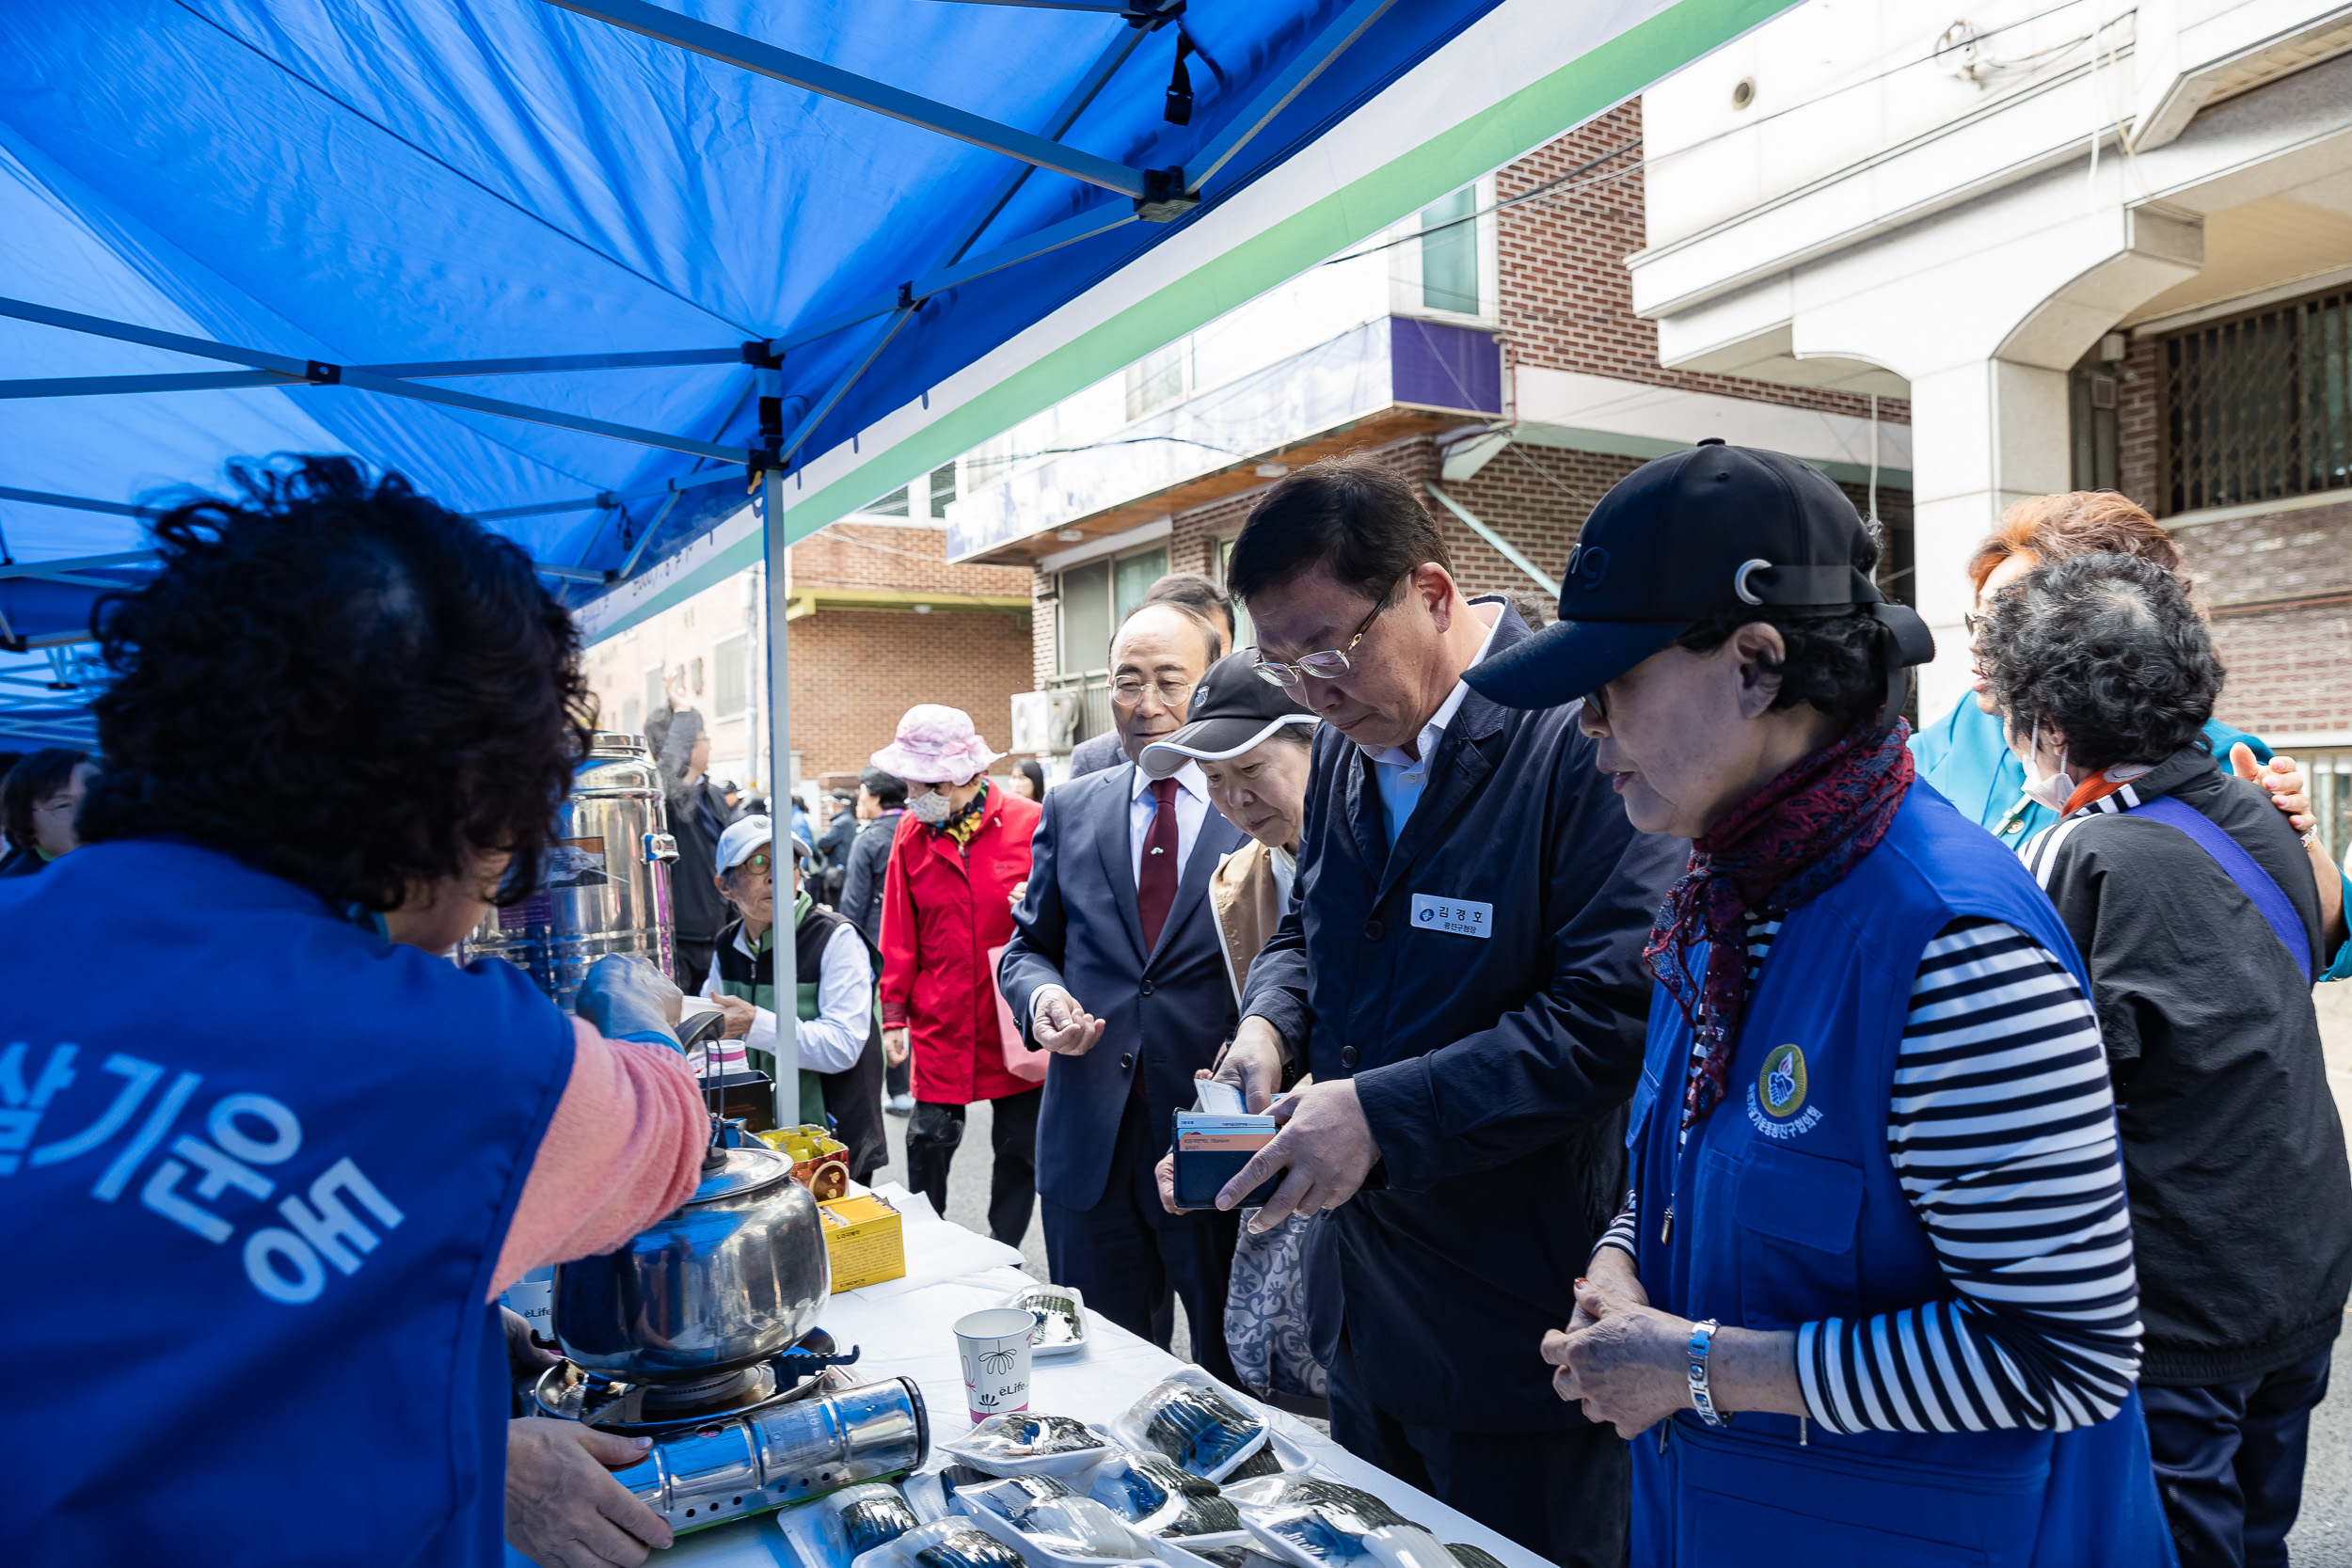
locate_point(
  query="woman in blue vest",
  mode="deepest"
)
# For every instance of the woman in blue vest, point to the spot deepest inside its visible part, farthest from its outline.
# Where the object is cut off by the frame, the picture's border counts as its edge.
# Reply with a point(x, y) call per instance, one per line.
point(266, 1156)
point(1872, 1297)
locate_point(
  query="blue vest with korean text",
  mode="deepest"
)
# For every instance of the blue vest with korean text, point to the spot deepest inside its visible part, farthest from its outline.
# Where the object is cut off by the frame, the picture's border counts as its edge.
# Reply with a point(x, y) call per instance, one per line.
point(1785, 1210)
point(255, 1169)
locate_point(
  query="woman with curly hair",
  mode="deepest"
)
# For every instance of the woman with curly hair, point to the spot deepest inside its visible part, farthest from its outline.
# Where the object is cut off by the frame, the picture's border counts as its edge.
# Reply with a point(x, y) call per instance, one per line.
point(1964, 755)
point(2188, 897)
point(271, 1156)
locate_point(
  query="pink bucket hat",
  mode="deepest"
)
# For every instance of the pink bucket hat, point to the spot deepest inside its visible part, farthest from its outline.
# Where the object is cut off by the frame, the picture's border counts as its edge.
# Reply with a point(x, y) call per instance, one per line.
point(935, 745)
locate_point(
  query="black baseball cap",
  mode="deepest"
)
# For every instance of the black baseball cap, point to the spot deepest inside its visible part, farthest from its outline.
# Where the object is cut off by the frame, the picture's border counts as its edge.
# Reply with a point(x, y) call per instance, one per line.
point(1232, 709)
point(1681, 538)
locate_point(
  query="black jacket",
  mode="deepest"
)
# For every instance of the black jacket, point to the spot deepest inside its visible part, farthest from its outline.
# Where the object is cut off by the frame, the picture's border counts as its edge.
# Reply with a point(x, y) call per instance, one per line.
point(695, 904)
point(861, 887)
point(2241, 1200)
point(1494, 1070)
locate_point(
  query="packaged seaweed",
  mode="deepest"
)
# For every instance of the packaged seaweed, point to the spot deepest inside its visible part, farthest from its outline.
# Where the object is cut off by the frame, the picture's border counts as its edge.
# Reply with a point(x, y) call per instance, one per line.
point(955, 1543)
point(1061, 1311)
point(1048, 1513)
point(1315, 1535)
point(1160, 1496)
point(1024, 1443)
point(835, 1530)
point(1200, 1428)
point(1358, 1510)
point(1236, 1557)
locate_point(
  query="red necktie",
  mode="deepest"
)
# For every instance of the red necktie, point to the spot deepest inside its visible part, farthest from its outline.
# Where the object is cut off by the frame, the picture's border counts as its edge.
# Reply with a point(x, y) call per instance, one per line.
point(1155, 884)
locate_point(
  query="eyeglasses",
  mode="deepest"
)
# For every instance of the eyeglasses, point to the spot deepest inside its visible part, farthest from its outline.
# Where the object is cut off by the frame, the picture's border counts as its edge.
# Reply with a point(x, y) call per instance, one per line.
point(1597, 700)
point(1330, 665)
point(1970, 621)
point(1172, 693)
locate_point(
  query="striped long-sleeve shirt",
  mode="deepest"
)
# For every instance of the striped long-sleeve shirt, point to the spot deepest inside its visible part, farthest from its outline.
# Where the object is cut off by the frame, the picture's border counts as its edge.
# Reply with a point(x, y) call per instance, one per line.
point(2000, 1127)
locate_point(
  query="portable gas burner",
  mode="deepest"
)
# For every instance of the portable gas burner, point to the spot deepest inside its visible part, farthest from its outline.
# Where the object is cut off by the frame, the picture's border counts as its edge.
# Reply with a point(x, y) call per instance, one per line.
point(753, 1439)
point(650, 1409)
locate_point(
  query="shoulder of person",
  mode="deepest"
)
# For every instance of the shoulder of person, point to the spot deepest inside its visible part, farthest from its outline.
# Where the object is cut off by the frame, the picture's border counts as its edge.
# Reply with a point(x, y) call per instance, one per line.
point(2141, 853)
point(1091, 789)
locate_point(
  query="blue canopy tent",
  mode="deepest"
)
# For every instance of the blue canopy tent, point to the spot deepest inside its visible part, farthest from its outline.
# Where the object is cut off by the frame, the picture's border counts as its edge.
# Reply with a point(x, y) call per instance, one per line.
point(582, 267)
point(597, 272)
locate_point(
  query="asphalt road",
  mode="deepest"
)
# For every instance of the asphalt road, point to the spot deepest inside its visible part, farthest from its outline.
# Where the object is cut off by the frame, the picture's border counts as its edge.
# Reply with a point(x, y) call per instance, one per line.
point(2322, 1538)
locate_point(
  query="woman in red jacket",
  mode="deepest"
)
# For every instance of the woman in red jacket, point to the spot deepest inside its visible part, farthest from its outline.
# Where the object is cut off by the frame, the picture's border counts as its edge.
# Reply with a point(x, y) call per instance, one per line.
point(960, 850)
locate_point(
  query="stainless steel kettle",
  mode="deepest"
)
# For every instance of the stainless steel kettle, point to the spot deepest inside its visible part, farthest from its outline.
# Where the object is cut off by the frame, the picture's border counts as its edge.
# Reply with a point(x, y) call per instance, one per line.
point(734, 1275)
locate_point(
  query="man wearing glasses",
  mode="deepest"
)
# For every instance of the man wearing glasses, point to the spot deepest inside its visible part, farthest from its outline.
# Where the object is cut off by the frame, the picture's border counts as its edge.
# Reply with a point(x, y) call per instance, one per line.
point(1461, 972)
point(1116, 967)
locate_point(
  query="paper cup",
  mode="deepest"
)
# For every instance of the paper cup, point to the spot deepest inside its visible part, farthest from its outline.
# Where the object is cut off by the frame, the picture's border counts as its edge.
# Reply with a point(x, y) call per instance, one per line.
point(994, 1346)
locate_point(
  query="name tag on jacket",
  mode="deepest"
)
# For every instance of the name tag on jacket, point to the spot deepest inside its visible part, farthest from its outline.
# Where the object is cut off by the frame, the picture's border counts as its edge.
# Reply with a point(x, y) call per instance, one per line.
point(1457, 916)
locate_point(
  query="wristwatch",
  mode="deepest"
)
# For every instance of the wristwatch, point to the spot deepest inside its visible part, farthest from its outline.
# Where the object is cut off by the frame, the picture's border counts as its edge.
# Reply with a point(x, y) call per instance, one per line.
point(1701, 1341)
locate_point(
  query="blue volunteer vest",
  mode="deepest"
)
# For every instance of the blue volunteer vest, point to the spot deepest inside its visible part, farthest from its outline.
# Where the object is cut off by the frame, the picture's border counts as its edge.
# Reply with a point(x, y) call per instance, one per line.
point(255, 1168)
point(1785, 1210)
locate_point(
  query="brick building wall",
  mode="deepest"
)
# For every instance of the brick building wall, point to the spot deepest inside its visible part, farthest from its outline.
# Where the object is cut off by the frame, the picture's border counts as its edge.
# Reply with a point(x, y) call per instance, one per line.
point(854, 555)
point(856, 670)
point(1566, 300)
point(2279, 587)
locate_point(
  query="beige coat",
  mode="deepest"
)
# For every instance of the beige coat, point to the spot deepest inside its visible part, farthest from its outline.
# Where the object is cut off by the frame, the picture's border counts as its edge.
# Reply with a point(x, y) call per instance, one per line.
point(1246, 895)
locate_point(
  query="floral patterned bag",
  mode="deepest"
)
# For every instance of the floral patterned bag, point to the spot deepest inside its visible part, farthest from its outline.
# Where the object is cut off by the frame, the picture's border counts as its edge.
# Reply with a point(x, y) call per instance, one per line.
point(1265, 1311)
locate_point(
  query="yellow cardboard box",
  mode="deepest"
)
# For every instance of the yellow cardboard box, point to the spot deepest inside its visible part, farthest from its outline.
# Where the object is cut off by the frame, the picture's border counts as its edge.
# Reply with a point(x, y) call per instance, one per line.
point(865, 1239)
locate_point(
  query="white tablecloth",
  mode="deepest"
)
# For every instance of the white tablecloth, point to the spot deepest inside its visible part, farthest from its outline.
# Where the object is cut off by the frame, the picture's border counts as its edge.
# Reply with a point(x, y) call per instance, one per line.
point(904, 1329)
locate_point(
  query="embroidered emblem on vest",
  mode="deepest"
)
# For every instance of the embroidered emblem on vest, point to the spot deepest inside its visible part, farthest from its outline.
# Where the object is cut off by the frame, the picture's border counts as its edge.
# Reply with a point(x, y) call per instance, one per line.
point(1777, 1099)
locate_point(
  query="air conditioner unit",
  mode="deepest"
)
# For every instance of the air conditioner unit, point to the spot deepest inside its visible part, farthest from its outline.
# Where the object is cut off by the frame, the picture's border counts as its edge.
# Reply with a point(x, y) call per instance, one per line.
point(1045, 720)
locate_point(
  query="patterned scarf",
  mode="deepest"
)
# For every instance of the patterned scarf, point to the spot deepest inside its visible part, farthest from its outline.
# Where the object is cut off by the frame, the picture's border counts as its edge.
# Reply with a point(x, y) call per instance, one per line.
point(1789, 842)
point(964, 824)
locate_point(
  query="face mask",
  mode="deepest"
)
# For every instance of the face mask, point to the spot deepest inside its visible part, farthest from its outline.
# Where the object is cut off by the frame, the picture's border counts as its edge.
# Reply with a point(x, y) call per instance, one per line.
point(2050, 789)
point(929, 808)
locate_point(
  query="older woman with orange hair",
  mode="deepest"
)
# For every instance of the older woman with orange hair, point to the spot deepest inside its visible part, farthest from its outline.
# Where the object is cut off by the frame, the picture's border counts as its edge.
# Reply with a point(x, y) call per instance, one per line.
point(1967, 758)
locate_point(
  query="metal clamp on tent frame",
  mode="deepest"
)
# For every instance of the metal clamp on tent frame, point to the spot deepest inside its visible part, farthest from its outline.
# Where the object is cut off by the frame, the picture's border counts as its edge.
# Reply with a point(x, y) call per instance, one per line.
point(1164, 199)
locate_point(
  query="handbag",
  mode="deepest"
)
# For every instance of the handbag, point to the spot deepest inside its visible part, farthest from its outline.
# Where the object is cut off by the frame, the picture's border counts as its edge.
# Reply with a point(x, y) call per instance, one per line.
point(1023, 1062)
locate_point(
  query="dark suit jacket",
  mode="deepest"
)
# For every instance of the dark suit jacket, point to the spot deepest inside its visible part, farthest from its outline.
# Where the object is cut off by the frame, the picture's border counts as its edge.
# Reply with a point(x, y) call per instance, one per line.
point(1164, 1014)
point(1493, 1069)
point(1095, 753)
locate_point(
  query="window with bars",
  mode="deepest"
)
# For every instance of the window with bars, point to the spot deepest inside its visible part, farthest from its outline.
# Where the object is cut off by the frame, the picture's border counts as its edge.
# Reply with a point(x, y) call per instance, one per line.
point(2259, 407)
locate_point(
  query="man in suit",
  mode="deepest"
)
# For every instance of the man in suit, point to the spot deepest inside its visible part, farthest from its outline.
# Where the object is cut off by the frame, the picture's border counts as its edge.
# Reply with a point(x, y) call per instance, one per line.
point(1460, 969)
point(1203, 598)
point(1115, 966)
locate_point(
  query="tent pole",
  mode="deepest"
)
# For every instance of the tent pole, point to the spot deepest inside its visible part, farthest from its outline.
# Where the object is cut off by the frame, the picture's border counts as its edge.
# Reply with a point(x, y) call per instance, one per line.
point(1105, 66)
point(1051, 238)
point(830, 81)
point(785, 975)
point(214, 381)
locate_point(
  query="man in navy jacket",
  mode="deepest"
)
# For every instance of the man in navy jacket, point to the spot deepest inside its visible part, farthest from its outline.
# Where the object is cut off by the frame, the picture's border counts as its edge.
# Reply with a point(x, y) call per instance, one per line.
point(1461, 971)
point(1115, 966)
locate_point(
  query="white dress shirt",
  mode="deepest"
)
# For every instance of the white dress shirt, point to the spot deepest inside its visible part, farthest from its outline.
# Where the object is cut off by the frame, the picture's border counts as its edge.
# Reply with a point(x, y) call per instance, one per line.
point(1192, 809)
point(1402, 779)
point(836, 1037)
